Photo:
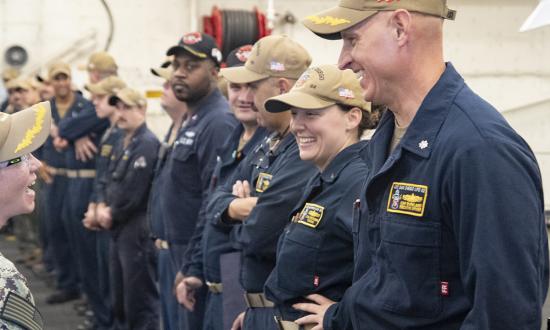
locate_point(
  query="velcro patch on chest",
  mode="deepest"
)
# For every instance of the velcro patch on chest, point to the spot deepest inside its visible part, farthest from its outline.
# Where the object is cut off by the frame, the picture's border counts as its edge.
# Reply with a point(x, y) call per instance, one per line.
point(140, 163)
point(407, 198)
point(311, 215)
point(106, 150)
point(263, 182)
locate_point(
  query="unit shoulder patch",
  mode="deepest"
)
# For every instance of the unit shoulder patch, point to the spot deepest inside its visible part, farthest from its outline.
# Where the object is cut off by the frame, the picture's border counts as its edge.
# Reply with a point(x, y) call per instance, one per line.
point(407, 198)
point(311, 215)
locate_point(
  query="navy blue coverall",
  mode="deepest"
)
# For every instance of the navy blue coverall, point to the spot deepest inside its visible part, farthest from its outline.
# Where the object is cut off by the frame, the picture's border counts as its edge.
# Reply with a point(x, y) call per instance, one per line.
point(278, 178)
point(169, 306)
point(184, 185)
point(79, 121)
point(315, 251)
point(214, 243)
point(67, 274)
point(450, 228)
point(106, 145)
point(132, 256)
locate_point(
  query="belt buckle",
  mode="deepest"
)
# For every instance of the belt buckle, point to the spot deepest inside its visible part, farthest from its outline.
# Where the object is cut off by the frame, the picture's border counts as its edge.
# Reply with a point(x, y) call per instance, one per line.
point(278, 322)
point(247, 301)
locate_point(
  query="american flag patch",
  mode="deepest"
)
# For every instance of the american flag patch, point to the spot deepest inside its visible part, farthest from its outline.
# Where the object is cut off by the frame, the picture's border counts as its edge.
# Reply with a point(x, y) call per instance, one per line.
point(277, 66)
point(346, 93)
point(21, 312)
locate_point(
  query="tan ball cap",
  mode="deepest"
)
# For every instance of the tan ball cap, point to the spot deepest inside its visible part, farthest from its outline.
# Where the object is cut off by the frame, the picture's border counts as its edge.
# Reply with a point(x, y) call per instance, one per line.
point(107, 86)
point(320, 87)
point(102, 62)
point(24, 131)
point(164, 73)
point(19, 83)
point(57, 68)
point(271, 56)
point(129, 97)
point(165, 70)
point(10, 73)
point(329, 23)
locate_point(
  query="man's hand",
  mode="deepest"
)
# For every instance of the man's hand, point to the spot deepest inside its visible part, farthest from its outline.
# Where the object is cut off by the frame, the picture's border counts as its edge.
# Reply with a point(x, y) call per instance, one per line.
point(177, 280)
point(85, 149)
point(60, 144)
point(44, 173)
point(103, 215)
point(241, 189)
point(238, 323)
point(240, 208)
point(54, 130)
point(185, 291)
point(317, 310)
point(90, 218)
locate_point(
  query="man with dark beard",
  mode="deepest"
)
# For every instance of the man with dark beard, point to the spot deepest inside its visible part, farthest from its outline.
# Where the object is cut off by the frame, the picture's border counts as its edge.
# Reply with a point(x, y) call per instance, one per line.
point(191, 160)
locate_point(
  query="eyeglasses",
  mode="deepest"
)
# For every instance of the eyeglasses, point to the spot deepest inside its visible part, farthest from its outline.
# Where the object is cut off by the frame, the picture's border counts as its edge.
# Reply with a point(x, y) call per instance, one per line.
point(15, 161)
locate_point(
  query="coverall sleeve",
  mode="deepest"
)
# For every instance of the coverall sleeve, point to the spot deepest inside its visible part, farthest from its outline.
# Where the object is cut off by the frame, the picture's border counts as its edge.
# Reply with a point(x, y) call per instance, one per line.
point(259, 233)
point(497, 210)
point(223, 195)
point(86, 122)
point(214, 135)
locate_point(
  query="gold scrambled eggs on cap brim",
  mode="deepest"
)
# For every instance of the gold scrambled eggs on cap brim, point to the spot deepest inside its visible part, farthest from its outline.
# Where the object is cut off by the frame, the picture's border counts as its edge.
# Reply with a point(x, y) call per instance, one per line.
point(24, 131)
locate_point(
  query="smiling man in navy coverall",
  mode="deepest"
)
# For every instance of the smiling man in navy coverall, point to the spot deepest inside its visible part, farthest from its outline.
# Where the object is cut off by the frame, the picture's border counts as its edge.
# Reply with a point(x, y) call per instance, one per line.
point(450, 224)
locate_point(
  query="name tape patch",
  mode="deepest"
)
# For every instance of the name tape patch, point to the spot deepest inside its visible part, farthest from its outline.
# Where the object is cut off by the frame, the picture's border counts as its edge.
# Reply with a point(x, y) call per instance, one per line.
point(407, 198)
point(263, 182)
point(311, 215)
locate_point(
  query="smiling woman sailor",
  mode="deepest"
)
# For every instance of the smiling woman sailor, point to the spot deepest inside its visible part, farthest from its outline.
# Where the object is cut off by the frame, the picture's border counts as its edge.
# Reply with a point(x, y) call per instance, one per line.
point(328, 117)
point(20, 134)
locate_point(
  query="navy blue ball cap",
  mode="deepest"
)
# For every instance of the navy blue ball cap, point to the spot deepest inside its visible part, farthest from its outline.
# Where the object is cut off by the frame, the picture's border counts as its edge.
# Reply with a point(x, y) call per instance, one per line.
point(238, 56)
point(199, 45)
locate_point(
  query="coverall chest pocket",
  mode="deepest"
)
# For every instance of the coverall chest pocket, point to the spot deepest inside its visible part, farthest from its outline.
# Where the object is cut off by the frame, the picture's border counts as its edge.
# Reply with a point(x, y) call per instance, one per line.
point(184, 170)
point(297, 259)
point(410, 250)
point(121, 167)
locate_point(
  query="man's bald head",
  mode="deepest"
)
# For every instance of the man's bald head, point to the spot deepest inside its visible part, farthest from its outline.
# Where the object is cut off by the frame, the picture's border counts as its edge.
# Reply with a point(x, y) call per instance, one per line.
point(390, 47)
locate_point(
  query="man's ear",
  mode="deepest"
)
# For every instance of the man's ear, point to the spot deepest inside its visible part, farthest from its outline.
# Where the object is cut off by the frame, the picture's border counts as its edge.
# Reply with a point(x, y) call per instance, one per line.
point(284, 85)
point(214, 71)
point(400, 22)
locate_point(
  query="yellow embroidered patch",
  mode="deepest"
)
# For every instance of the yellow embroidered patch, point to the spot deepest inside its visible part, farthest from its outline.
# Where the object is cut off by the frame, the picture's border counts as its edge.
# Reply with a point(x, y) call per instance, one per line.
point(106, 150)
point(407, 198)
point(328, 20)
point(33, 131)
point(263, 182)
point(311, 215)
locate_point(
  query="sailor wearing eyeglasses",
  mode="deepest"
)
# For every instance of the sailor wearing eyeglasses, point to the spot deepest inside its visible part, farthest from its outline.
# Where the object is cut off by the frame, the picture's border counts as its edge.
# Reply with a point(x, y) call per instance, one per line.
point(20, 134)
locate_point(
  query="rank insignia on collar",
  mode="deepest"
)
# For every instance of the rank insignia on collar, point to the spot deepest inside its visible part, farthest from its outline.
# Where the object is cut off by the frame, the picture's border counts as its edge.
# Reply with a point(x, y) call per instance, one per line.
point(311, 215)
point(263, 182)
point(423, 144)
point(407, 198)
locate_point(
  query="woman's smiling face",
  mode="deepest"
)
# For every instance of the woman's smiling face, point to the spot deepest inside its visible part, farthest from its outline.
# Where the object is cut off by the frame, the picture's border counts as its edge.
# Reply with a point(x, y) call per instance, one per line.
point(16, 196)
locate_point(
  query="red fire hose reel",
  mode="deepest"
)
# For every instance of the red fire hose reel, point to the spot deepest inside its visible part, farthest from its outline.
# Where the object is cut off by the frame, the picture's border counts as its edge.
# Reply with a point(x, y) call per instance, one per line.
point(234, 28)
